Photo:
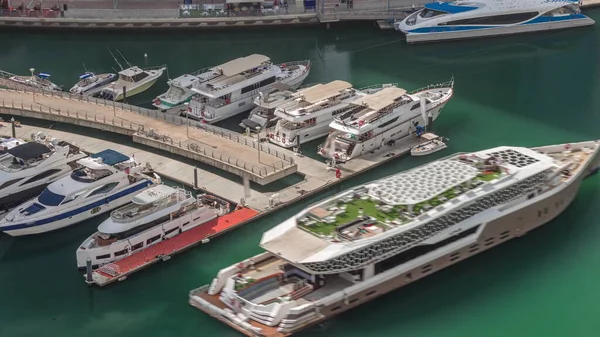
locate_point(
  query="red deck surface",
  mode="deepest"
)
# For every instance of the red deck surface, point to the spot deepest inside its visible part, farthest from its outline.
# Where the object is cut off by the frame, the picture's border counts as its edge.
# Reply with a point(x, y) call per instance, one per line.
point(181, 241)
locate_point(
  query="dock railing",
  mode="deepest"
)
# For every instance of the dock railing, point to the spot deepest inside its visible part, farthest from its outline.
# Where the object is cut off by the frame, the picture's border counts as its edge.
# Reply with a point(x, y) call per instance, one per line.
point(191, 144)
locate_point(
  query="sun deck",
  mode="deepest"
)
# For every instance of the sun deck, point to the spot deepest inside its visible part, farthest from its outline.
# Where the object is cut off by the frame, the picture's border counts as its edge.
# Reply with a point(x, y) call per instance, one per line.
point(316, 98)
point(320, 92)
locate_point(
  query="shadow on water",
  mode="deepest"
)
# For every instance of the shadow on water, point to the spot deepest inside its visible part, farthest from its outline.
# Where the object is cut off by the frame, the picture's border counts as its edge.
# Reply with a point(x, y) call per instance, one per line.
point(480, 276)
point(125, 140)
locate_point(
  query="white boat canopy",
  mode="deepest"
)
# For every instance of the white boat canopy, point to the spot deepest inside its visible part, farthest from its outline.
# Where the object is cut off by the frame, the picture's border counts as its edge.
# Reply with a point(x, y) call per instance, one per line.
point(153, 194)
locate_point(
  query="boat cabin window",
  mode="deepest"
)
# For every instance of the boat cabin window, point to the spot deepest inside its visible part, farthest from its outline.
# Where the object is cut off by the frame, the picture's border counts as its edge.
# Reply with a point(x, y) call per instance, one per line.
point(139, 77)
point(41, 176)
point(564, 10)
point(138, 229)
point(494, 20)
point(429, 13)
point(103, 189)
point(259, 85)
point(8, 183)
point(50, 198)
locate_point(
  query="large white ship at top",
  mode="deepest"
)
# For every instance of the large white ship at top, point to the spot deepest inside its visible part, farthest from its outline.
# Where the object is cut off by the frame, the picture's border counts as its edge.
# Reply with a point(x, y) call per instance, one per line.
point(374, 238)
point(480, 18)
point(230, 88)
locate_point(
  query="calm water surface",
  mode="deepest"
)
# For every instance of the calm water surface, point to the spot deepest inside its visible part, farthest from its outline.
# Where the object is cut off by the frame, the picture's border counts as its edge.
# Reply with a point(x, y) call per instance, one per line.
point(526, 90)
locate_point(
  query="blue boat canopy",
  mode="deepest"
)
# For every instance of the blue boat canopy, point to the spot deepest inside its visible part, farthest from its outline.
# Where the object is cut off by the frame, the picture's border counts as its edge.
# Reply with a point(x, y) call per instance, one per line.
point(43, 75)
point(111, 157)
point(86, 75)
point(449, 7)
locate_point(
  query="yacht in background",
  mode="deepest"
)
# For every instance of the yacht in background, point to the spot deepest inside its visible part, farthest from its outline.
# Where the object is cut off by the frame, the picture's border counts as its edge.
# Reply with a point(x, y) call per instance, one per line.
point(28, 167)
point(383, 118)
point(307, 116)
point(369, 240)
point(440, 21)
point(90, 83)
point(103, 181)
point(38, 81)
point(230, 88)
point(156, 214)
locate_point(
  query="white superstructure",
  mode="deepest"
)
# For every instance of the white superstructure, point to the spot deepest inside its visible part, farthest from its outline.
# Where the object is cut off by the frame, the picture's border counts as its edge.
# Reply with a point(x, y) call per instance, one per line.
point(104, 181)
point(179, 93)
point(380, 119)
point(156, 214)
point(480, 18)
point(230, 88)
point(263, 115)
point(27, 168)
point(307, 116)
point(132, 81)
point(374, 238)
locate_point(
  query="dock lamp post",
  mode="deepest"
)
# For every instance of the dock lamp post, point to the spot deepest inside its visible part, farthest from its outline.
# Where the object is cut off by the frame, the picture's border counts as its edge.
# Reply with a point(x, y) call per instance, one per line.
point(258, 141)
point(187, 118)
point(32, 76)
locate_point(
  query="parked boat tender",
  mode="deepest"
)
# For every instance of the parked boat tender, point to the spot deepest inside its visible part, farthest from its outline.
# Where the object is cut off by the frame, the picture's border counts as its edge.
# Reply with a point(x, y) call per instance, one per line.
point(38, 81)
point(105, 181)
point(480, 18)
point(433, 143)
point(156, 214)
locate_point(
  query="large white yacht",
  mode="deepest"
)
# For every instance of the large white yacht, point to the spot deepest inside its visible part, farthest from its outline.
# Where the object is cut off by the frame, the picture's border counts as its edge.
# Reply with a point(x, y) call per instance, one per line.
point(230, 88)
point(89, 83)
point(308, 115)
point(440, 21)
point(156, 214)
point(367, 241)
point(104, 181)
point(27, 168)
point(263, 115)
point(377, 120)
point(133, 81)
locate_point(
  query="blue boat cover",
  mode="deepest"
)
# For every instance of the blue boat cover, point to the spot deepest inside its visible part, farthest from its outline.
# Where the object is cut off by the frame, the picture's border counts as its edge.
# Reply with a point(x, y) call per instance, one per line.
point(86, 75)
point(110, 157)
point(449, 7)
point(43, 75)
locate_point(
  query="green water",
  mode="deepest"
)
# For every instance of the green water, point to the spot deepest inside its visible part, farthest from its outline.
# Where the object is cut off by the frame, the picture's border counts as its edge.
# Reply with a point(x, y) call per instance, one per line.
point(525, 90)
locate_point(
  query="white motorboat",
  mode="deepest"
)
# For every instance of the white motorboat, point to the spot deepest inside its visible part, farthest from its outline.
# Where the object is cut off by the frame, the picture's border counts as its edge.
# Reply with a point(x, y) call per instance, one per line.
point(27, 168)
point(90, 83)
point(179, 93)
point(105, 181)
point(132, 81)
point(263, 115)
point(38, 81)
point(308, 114)
point(454, 20)
point(382, 119)
point(230, 88)
point(433, 143)
point(156, 214)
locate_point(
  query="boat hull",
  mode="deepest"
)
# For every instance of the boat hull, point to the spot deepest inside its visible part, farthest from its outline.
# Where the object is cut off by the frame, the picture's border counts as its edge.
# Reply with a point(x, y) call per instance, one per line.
point(136, 90)
point(490, 32)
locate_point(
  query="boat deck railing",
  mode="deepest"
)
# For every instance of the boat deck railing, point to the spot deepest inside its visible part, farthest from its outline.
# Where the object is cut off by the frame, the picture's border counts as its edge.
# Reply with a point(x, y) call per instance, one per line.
point(162, 66)
point(434, 86)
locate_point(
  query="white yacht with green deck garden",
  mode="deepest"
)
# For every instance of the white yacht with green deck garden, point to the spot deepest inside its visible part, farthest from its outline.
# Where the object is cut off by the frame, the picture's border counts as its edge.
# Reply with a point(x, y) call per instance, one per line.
point(374, 238)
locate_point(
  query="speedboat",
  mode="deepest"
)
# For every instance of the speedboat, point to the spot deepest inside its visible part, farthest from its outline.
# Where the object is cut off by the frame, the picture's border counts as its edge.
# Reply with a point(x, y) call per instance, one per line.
point(440, 21)
point(378, 121)
point(132, 81)
point(104, 181)
point(433, 143)
point(230, 88)
point(156, 214)
point(90, 82)
point(27, 168)
point(38, 81)
point(179, 93)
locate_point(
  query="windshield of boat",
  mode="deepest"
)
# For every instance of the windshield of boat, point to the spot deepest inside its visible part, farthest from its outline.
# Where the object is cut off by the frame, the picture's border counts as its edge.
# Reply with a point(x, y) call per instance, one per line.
point(429, 13)
point(50, 198)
